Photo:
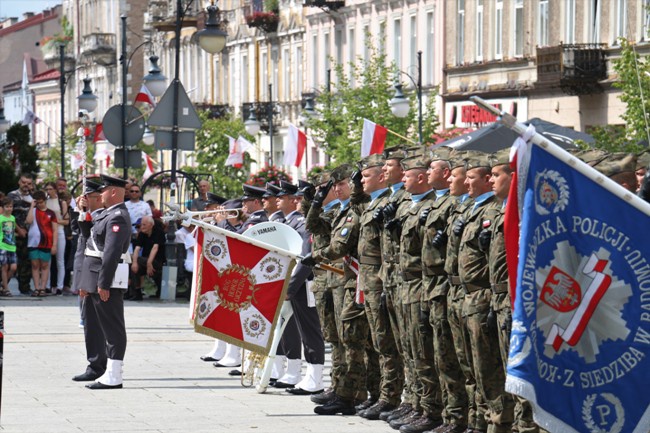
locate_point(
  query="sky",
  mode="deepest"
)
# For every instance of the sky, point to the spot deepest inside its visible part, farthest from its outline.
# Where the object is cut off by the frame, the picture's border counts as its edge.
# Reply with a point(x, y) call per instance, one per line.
point(16, 8)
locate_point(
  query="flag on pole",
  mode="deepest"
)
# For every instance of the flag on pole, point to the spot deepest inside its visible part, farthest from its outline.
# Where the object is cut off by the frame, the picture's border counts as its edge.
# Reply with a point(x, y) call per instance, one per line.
point(580, 340)
point(239, 290)
point(30, 117)
point(237, 148)
point(296, 146)
point(145, 96)
point(99, 133)
point(372, 138)
point(148, 166)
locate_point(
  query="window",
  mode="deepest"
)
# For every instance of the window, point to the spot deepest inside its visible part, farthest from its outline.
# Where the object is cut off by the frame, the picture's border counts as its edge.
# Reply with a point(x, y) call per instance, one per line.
point(338, 43)
point(314, 60)
point(352, 53)
point(621, 19)
point(414, 41)
point(298, 81)
point(594, 20)
point(498, 30)
point(274, 72)
point(429, 54)
point(479, 30)
point(367, 40)
point(570, 27)
point(244, 79)
point(460, 33)
point(542, 23)
point(382, 37)
point(264, 71)
point(397, 42)
point(286, 75)
point(519, 28)
point(326, 51)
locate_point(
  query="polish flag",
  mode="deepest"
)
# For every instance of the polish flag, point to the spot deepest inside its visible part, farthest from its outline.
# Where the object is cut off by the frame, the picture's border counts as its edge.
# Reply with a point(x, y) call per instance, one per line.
point(236, 151)
point(148, 166)
point(99, 133)
point(372, 138)
point(296, 146)
point(145, 96)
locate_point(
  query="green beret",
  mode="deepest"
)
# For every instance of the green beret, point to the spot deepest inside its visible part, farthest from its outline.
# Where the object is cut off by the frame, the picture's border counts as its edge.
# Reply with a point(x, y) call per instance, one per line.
point(374, 160)
point(341, 172)
point(413, 162)
point(619, 162)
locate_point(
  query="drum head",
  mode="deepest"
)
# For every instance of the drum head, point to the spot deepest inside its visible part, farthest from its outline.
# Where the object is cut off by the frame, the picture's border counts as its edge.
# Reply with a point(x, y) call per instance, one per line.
point(277, 234)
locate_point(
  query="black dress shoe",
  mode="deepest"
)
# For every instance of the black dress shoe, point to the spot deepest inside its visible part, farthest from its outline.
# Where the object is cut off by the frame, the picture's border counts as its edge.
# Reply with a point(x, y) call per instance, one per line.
point(336, 406)
point(282, 385)
point(300, 391)
point(88, 376)
point(272, 382)
point(219, 365)
point(234, 372)
point(98, 385)
point(209, 359)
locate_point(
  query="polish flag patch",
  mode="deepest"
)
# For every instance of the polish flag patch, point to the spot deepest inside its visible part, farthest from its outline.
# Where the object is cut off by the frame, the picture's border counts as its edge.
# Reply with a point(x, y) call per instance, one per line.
point(116, 228)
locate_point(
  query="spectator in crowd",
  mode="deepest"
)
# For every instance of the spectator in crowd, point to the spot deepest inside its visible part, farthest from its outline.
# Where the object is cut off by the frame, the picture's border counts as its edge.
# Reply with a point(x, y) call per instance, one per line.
point(199, 203)
point(148, 256)
point(60, 209)
point(61, 187)
point(22, 199)
point(71, 231)
point(136, 207)
point(7, 244)
point(155, 212)
point(41, 240)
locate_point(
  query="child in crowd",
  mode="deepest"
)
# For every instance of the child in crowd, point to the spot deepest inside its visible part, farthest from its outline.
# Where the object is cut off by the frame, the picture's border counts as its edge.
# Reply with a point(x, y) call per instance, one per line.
point(41, 240)
point(7, 244)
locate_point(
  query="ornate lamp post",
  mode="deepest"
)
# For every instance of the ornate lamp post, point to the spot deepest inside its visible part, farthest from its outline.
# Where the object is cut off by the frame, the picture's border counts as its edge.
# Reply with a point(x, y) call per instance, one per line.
point(400, 105)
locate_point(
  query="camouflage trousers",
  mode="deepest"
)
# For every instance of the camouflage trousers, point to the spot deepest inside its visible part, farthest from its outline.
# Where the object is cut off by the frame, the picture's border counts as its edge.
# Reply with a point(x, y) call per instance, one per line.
point(523, 412)
point(327, 317)
point(24, 271)
point(412, 391)
point(455, 299)
point(452, 380)
point(421, 352)
point(481, 334)
point(391, 366)
point(355, 335)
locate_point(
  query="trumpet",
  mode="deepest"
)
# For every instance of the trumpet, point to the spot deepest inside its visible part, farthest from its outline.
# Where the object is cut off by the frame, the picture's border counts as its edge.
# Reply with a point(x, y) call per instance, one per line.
point(226, 213)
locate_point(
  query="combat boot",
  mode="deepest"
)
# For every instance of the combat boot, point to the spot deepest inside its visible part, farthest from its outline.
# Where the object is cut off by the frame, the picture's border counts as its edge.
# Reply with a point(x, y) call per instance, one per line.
point(406, 419)
point(366, 404)
point(336, 406)
point(422, 424)
point(402, 410)
point(376, 409)
point(324, 397)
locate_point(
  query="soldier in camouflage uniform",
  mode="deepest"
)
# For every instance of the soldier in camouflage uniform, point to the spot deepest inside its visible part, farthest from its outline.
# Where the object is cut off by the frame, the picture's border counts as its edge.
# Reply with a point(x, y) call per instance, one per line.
point(435, 290)
point(428, 413)
point(393, 174)
point(480, 335)
point(369, 196)
point(355, 330)
point(501, 304)
point(456, 294)
point(320, 226)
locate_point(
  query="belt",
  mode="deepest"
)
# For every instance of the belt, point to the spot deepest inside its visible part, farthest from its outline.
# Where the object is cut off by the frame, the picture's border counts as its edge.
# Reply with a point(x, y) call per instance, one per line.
point(126, 257)
point(408, 276)
point(367, 260)
point(455, 280)
point(471, 288)
point(499, 288)
point(391, 259)
point(433, 270)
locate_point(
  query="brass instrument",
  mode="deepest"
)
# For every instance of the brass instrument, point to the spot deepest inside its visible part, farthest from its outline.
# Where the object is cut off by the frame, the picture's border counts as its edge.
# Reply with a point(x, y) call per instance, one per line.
point(253, 362)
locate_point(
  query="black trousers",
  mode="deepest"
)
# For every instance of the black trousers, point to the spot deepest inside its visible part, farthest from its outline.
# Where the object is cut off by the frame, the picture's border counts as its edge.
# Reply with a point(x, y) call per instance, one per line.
point(95, 341)
point(309, 327)
point(110, 316)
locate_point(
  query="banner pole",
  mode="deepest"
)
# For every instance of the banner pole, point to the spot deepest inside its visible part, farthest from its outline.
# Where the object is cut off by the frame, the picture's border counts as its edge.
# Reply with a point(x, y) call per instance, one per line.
point(402, 137)
point(564, 156)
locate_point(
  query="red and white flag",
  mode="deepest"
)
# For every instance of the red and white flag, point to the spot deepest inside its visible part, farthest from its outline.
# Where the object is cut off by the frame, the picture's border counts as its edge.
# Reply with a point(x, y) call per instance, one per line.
point(148, 166)
point(296, 146)
point(99, 133)
point(353, 263)
point(372, 138)
point(237, 148)
point(145, 96)
point(239, 290)
point(30, 117)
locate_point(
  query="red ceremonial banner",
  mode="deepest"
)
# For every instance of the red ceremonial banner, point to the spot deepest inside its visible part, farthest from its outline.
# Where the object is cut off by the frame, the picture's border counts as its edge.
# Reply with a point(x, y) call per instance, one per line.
point(238, 290)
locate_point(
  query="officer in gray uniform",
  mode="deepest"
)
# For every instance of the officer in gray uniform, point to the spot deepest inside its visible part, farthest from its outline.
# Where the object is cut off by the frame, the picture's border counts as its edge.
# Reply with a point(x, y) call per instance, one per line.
point(252, 202)
point(95, 342)
point(270, 205)
point(107, 249)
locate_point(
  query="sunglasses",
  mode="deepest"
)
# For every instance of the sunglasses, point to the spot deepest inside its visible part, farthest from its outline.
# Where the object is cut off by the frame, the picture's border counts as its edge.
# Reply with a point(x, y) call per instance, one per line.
point(135, 190)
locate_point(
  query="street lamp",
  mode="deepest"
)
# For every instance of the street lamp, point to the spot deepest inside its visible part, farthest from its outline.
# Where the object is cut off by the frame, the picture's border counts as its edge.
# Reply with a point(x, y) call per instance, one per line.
point(212, 39)
point(87, 101)
point(399, 104)
point(155, 81)
point(252, 125)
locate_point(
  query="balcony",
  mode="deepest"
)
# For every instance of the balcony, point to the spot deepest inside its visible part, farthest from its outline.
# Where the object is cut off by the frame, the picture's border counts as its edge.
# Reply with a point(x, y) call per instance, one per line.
point(52, 56)
point(575, 68)
point(261, 112)
point(215, 111)
point(323, 4)
point(99, 48)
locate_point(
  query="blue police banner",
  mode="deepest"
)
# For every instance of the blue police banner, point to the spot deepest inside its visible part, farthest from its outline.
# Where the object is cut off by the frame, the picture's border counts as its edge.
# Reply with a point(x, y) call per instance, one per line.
point(581, 320)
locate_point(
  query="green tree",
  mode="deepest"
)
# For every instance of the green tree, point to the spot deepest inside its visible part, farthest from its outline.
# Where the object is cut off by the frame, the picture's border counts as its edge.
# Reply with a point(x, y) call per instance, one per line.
point(17, 157)
point(212, 150)
point(340, 111)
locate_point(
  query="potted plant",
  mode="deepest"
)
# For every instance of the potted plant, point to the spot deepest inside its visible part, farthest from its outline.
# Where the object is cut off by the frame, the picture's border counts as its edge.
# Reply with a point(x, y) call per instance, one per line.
point(50, 45)
point(268, 174)
point(265, 21)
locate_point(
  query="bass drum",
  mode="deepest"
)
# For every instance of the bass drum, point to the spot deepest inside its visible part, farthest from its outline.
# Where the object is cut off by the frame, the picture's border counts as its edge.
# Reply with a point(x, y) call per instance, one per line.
point(277, 234)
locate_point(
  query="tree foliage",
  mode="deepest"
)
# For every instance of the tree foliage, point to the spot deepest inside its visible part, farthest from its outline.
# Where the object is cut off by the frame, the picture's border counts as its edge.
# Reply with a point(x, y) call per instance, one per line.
point(364, 92)
point(212, 150)
point(17, 156)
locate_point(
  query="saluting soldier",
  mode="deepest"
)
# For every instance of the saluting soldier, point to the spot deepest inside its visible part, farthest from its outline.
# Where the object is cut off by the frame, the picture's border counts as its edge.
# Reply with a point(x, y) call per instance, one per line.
point(252, 204)
point(435, 290)
point(370, 195)
point(480, 340)
point(94, 339)
point(428, 410)
point(107, 248)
